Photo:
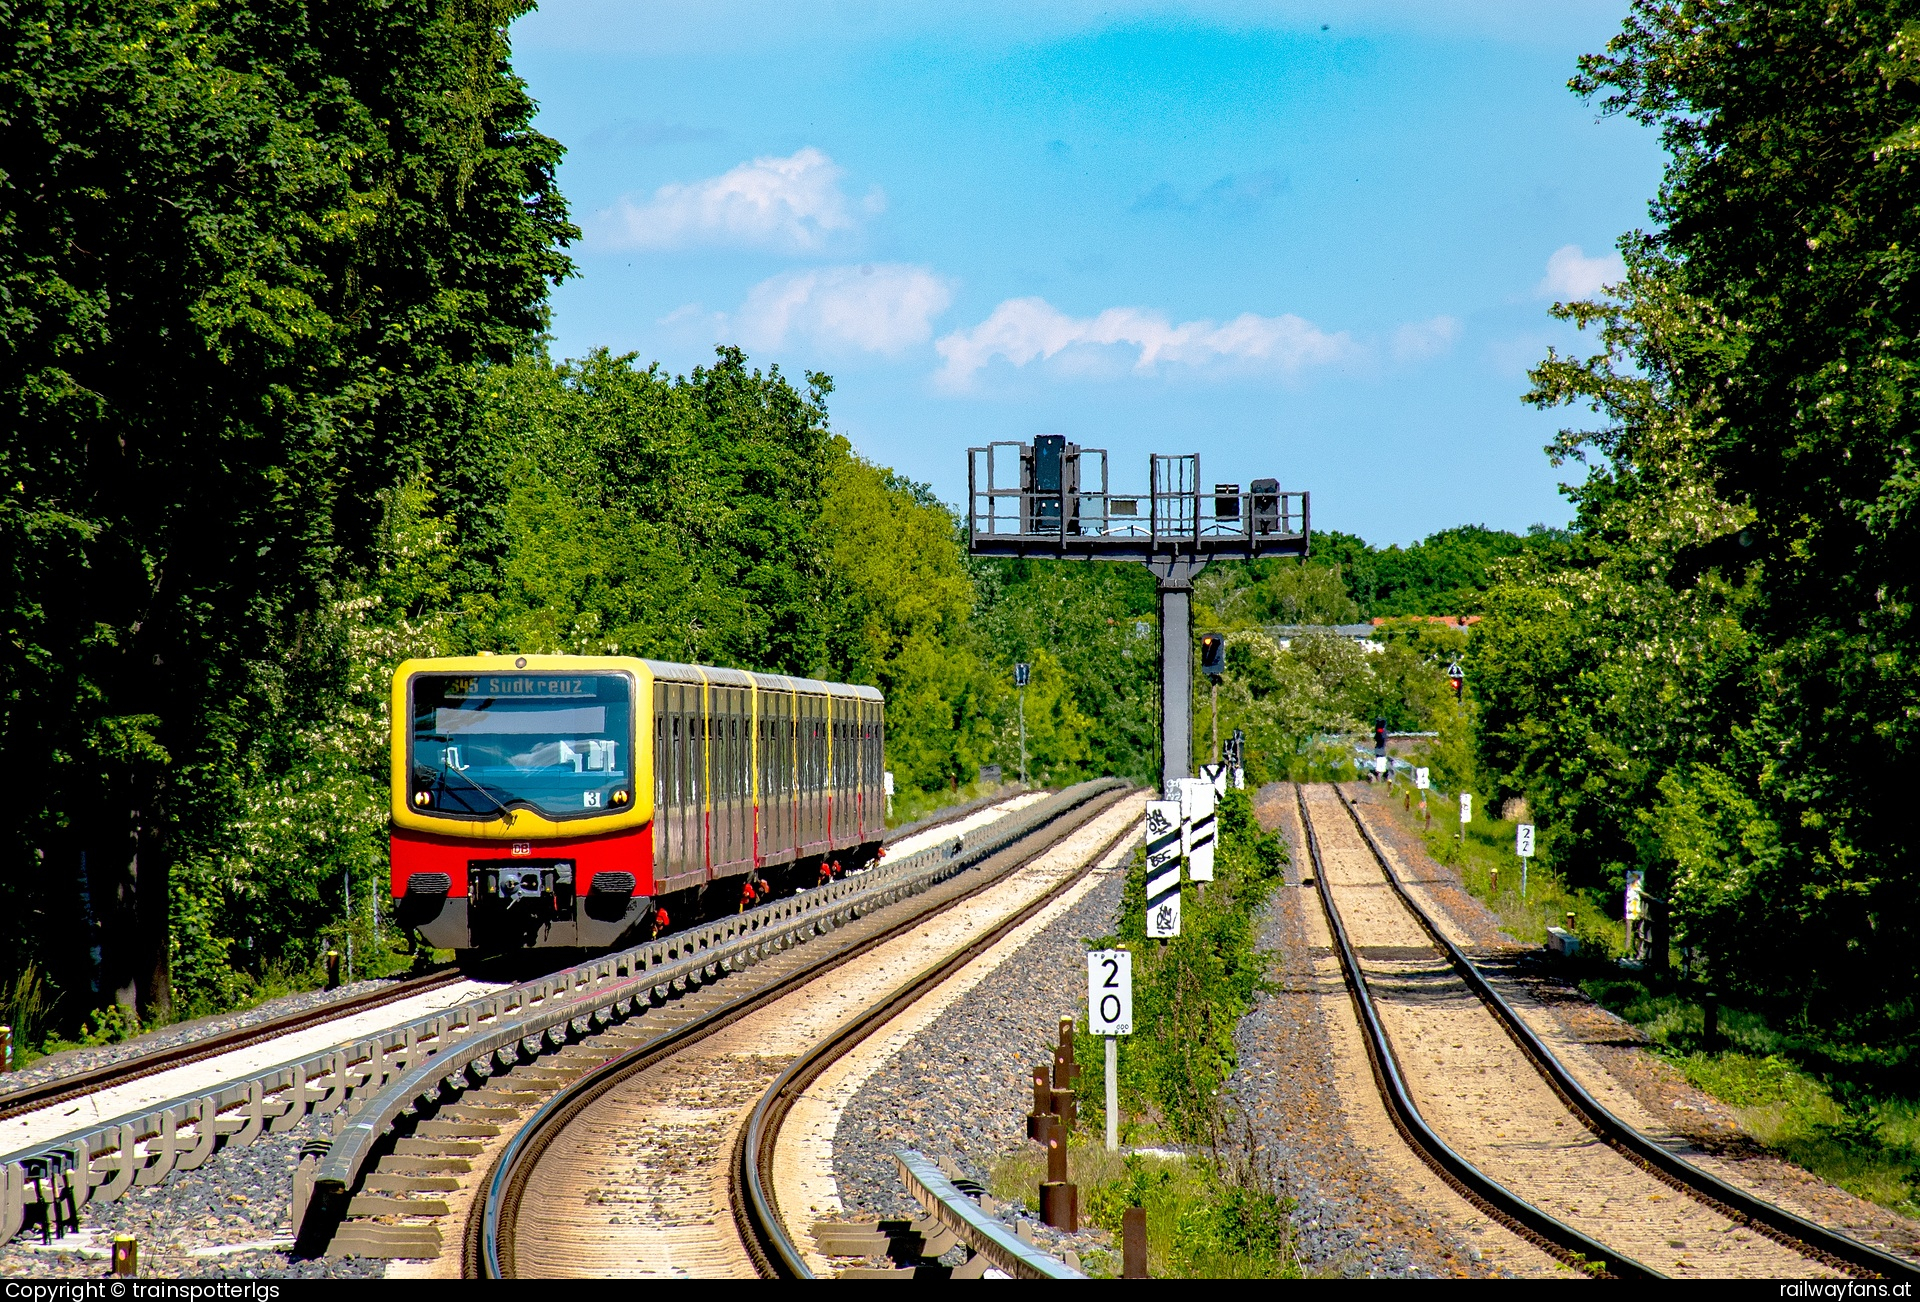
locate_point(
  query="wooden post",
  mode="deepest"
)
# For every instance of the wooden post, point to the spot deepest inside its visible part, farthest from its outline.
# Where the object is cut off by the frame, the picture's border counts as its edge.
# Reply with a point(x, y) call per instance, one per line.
point(1059, 1199)
point(1133, 1238)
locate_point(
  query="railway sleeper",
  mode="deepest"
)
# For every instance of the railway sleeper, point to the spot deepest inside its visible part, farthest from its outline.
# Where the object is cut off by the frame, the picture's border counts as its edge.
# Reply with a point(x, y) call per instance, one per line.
point(47, 1189)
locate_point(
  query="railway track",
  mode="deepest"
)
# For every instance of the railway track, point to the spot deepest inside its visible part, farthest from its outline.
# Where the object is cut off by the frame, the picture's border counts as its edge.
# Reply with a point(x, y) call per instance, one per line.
point(81, 1084)
point(98, 1134)
point(662, 1160)
point(62, 1089)
point(1490, 1108)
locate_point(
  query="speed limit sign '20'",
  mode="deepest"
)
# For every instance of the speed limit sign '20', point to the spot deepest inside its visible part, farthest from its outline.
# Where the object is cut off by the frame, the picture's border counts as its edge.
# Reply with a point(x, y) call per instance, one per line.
point(1110, 992)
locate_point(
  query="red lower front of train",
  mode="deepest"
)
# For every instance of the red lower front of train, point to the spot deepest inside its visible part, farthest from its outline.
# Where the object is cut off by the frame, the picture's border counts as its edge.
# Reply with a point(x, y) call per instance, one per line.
point(466, 893)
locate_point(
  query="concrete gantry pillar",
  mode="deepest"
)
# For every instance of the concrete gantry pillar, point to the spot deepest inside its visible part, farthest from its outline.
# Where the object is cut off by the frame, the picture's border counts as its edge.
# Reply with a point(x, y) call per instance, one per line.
point(1175, 577)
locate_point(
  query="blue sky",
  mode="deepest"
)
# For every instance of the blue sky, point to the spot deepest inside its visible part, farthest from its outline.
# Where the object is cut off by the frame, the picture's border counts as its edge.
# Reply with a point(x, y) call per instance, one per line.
point(1311, 241)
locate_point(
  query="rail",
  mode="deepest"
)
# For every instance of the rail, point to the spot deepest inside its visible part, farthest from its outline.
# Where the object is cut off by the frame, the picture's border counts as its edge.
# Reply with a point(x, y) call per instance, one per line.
point(1734, 1201)
point(755, 1211)
point(1564, 1240)
point(79, 1084)
point(48, 1183)
point(491, 1232)
point(984, 1234)
point(786, 922)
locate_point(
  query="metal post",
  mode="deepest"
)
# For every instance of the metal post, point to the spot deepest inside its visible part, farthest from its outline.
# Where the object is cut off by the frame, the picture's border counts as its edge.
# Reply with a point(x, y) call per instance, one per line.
point(1213, 710)
point(1113, 1093)
point(1023, 739)
point(1176, 677)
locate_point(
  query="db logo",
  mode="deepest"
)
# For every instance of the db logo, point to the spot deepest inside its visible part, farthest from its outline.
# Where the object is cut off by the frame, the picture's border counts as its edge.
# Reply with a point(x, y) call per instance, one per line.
point(523, 847)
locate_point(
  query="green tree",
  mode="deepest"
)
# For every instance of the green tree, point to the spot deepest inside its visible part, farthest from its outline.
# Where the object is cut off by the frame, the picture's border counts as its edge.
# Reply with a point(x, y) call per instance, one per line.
point(633, 512)
point(253, 259)
point(902, 619)
point(1099, 623)
point(1790, 215)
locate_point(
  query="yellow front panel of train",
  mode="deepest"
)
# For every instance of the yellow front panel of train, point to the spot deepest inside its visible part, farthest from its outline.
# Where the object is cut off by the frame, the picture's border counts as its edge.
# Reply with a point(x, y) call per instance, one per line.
point(506, 748)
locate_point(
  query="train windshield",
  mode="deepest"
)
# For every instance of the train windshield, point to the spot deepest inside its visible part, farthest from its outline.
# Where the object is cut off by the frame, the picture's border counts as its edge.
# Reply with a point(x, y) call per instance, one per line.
point(560, 745)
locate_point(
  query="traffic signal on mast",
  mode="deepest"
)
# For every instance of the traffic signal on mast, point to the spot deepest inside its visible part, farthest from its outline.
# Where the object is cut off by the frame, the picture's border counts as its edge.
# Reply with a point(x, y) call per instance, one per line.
point(1213, 654)
point(1379, 736)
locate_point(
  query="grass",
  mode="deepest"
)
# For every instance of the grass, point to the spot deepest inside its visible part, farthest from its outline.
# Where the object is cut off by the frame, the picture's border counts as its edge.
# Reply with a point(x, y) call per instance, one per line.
point(911, 805)
point(1813, 1102)
point(1826, 1107)
point(1199, 1224)
point(1219, 1211)
point(1491, 872)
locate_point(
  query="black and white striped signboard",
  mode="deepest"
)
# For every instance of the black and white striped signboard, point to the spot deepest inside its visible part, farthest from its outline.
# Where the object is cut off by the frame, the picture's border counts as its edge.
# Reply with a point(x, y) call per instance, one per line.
point(1217, 775)
point(1197, 803)
point(1163, 868)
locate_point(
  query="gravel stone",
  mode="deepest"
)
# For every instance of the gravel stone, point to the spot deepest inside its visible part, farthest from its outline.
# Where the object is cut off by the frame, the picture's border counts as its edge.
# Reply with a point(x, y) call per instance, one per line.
point(1348, 1222)
point(240, 1197)
point(70, 1062)
point(961, 1089)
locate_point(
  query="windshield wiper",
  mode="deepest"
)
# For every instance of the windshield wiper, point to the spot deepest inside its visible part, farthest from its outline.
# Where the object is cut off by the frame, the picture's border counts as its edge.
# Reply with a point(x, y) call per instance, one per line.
point(504, 811)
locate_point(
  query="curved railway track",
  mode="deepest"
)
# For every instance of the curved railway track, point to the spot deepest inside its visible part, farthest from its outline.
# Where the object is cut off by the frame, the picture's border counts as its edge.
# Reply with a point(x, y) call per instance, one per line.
point(698, 1112)
point(1524, 1140)
point(61, 1089)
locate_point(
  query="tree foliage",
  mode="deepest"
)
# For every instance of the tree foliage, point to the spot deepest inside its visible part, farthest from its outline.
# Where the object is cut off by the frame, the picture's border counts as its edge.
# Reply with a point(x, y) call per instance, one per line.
point(252, 257)
point(1720, 688)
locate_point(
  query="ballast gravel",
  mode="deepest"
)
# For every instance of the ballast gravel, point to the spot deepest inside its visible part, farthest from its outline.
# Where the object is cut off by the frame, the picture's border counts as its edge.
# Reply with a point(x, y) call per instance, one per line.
point(1349, 1221)
point(230, 1219)
point(960, 1092)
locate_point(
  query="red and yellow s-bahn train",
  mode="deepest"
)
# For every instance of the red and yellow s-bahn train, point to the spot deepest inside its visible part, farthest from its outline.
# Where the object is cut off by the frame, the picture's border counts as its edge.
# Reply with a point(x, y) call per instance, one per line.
point(551, 800)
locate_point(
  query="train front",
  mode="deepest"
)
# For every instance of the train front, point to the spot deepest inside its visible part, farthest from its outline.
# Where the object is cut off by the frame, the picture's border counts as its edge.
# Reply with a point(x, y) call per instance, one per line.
point(521, 806)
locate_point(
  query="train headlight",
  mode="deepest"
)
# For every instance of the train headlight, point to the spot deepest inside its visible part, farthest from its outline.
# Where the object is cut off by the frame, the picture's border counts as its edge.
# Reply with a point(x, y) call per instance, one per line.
point(619, 797)
point(422, 799)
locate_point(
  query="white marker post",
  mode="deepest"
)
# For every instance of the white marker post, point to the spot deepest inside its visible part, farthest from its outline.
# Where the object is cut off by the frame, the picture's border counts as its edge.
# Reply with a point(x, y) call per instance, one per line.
point(1420, 780)
point(1199, 806)
point(1523, 846)
point(1110, 1014)
point(1163, 869)
point(1466, 814)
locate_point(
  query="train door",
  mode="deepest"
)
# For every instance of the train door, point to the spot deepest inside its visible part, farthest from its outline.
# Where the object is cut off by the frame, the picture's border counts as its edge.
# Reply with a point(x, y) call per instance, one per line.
point(725, 805)
point(751, 742)
point(686, 843)
point(662, 785)
point(817, 777)
point(739, 770)
point(807, 747)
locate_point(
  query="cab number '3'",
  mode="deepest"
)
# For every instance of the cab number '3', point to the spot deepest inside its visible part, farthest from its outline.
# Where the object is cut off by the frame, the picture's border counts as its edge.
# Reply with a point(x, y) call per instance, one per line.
point(593, 799)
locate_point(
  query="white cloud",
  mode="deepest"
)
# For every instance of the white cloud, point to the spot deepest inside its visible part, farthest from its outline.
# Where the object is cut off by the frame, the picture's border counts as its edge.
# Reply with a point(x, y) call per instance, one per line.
point(878, 308)
point(1023, 330)
point(787, 203)
point(1571, 274)
point(1418, 340)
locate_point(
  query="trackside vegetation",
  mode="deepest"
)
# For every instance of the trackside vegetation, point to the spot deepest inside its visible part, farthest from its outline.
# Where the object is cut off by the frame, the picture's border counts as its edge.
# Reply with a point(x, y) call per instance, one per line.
point(280, 413)
point(1215, 1207)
